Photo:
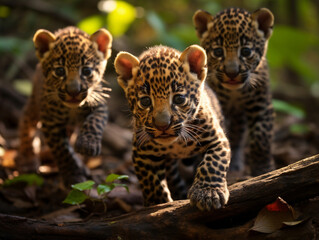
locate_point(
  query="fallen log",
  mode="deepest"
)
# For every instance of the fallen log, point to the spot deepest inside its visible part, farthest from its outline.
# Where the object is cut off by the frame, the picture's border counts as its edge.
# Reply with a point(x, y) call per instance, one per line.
point(178, 220)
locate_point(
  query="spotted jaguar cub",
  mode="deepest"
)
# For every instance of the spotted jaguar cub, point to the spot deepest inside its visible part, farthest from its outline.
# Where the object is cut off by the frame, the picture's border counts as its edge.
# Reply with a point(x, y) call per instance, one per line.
point(176, 116)
point(236, 42)
point(67, 91)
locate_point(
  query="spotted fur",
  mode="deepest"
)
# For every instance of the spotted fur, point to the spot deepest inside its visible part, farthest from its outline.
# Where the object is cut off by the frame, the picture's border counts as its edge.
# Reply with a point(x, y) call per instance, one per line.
point(67, 91)
point(236, 43)
point(176, 116)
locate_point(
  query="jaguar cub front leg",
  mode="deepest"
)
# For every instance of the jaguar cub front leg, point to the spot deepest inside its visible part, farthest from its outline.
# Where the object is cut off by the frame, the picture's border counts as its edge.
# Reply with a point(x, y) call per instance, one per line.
point(176, 184)
point(89, 140)
point(26, 160)
point(260, 137)
point(70, 166)
point(209, 190)
point(150, 171)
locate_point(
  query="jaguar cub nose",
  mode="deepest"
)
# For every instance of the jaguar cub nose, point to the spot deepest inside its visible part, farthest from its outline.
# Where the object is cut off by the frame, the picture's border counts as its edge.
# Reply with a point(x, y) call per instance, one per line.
point(73, 88)
point(232, 74)
point(231, 69)
point(162, 120)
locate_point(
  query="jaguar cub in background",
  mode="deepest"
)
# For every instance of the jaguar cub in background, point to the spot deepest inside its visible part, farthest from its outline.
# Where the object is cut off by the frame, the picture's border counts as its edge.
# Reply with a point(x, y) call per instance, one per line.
point(236, 43)
point(67, 91)
point(176, 116)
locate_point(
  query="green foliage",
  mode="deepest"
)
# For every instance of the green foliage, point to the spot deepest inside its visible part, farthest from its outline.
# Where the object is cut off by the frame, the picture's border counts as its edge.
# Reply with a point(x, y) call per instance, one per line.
point(29, 179)
point(15, 45)
point(23, 86)
point(117, 21)
point(112, 177)
point(282, 106)
point(120, 19)
point(84, 185)
point(78, 196)
point(289, 46)
point(4, 11)
point(75, 197)
point(299, 128)
point(92, 23)
point(179, 37)
point(104, 188)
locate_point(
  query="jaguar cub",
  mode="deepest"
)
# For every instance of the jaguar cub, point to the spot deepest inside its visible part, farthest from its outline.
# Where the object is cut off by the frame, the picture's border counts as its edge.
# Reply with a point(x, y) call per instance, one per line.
point(176, 116)
point(236, 43)
point(67, 91)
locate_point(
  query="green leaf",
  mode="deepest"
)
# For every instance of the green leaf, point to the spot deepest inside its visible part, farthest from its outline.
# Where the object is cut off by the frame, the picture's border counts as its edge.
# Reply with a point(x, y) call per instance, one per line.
point(288, 108)
point(91, 24)
point(293, 54)
point(75, 197)
point(83, 185)
point(23, 86)
point(299, 128)
point(4, 12)
point(14, 45)
point(119, 20)
point(112, 177)
point(30, 179)
point(121, 185)
point(104, 188)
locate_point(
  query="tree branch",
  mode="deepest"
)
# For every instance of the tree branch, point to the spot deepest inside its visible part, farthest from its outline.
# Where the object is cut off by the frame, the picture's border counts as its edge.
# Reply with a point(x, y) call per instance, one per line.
point(179, 220)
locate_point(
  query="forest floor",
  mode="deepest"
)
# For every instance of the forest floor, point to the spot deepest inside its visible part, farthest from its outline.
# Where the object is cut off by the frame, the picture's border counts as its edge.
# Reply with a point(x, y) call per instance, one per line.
point(45, 202)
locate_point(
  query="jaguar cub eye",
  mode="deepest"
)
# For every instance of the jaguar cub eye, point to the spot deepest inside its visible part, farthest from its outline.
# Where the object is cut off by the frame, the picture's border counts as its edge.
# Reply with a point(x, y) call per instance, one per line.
point(86, 71)
point(245, 52)
point(146, 101)
point(60, 71)
point(179, 99)
point(218, 52)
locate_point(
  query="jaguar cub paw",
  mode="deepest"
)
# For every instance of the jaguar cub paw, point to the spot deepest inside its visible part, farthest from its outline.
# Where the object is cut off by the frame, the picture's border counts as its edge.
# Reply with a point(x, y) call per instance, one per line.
point(208, 197)
point(88, 147)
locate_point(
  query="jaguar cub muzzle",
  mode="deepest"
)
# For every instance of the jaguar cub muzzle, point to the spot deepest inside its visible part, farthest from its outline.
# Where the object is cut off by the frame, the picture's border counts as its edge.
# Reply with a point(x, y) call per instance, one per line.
point(162, 120)
point(74, 92)
point(231, 69)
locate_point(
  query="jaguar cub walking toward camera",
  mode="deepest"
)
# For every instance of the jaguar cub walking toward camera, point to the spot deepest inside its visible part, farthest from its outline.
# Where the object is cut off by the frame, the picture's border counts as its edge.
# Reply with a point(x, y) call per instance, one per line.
point(176, 116)
point(236, 43)
point(67, 91)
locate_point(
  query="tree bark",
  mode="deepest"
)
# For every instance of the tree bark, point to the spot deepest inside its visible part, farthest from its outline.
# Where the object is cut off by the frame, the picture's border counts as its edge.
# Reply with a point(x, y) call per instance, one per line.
point(178, 220)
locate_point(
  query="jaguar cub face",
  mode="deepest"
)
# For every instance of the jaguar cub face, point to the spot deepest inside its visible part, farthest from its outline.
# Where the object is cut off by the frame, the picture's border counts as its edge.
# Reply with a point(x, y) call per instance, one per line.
point(163, 89)
point(73, 63)
point(235, 42)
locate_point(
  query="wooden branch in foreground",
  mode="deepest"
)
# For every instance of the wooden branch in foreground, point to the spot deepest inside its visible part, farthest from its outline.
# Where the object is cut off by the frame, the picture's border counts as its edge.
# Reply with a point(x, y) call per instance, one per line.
point(178, 220)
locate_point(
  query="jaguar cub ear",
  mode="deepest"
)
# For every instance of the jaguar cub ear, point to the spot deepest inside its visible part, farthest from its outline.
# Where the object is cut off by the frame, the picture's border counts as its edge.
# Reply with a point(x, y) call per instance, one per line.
point(201, 19)
point(103, 38)
point(124, 65)
point(264, 21)
point(195, 57)
point(42, 39)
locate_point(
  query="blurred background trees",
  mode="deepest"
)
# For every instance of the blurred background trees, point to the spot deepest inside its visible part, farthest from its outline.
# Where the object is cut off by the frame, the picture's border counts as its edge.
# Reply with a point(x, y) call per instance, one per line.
point(293, 52)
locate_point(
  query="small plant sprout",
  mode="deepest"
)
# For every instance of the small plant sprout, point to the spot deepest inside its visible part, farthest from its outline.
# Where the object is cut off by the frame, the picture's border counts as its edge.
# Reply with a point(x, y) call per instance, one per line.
point(81, 191)
point(29, 179)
